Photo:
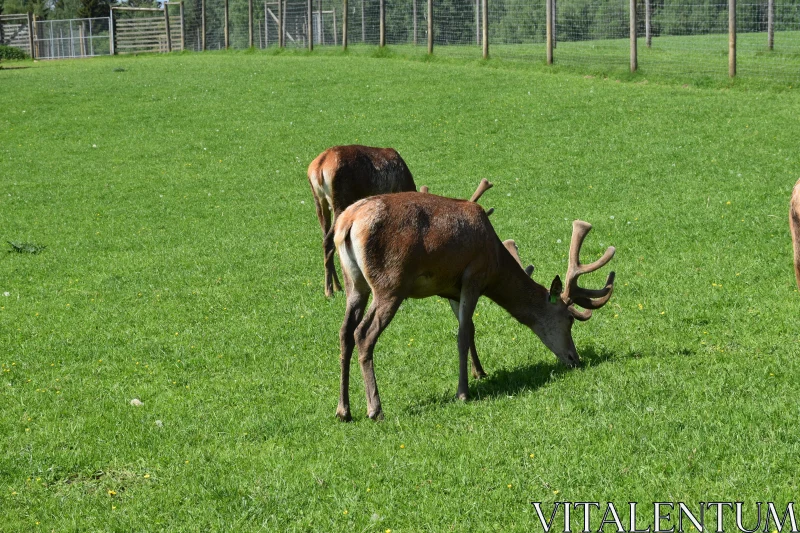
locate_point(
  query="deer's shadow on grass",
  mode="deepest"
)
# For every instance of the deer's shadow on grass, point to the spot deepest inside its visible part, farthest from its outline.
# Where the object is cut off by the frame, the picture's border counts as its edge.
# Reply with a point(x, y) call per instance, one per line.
point(510, 382)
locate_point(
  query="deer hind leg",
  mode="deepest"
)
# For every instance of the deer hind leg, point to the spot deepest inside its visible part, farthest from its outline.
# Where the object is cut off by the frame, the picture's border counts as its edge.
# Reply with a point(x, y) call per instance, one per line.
point(376, 320)
point(466, 336)
point(357, 297)
point(477, 369)
point(325, 223)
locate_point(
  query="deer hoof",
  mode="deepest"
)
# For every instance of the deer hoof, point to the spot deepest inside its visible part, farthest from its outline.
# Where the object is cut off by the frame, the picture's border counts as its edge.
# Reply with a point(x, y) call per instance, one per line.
point(378, 416)
point(479, 375)
point(343, 415)
point(463, 396)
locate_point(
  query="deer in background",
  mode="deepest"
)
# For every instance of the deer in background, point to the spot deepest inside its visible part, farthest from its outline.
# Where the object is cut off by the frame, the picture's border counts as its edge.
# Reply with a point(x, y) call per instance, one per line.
point(413, 245)
point(342, 175)
point(794, 225)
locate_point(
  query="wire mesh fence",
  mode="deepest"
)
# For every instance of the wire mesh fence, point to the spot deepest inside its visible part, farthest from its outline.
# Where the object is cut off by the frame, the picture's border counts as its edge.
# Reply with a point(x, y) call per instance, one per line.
point(15, 31)
point(674, 37)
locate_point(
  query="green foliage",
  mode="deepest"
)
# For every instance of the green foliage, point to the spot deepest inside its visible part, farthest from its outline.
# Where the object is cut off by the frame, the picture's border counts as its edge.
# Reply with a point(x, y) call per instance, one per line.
point(184, 269)
point(11, 52)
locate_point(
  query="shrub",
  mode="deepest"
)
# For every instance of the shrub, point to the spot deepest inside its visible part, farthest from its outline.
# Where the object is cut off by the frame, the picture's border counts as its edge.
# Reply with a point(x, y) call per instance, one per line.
point(10, 52)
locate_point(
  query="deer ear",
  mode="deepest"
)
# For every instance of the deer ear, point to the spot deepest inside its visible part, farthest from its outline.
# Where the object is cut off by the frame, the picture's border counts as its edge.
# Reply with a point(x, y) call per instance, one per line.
point(555, 290)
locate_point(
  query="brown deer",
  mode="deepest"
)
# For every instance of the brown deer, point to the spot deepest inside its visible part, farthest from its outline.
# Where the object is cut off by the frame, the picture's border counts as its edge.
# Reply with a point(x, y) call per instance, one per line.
point(342, 175)
point(413, 245)
point(794, 225)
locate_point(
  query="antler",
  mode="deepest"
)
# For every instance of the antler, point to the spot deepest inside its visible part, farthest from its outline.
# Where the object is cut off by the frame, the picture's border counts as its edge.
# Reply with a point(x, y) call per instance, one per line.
point(484, 186)
point(587, 298)
point(511, 246)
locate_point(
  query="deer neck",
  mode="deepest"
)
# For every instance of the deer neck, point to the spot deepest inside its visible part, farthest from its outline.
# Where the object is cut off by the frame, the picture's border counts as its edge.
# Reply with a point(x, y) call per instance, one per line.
point(518, 294)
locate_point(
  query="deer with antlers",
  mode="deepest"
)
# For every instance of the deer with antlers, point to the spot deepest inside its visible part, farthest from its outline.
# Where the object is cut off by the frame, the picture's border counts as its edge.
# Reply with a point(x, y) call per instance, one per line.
point(413, 245)
point(794, 225)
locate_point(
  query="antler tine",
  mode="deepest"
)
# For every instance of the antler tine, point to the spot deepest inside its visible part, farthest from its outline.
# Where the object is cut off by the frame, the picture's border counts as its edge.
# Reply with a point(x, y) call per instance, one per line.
point(511, 246)
point(484, 186)
point(424, 188)
point(587, 298)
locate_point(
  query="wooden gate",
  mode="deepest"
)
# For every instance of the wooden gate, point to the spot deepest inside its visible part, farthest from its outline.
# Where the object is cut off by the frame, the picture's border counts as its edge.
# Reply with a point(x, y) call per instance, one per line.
point(143, 29)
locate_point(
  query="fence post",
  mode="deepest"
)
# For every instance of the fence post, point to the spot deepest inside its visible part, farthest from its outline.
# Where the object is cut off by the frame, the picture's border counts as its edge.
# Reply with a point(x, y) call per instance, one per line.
point(414, 16)
point(383, 23)
point(111, 46)
point(549, 37)
point(183, 34)
point(634, 57)
point(344, 24)
point(430, 27)
point(30, 35)
point(166, 25)
point(250, 23)
point(771, 24)
point(555, 28)
point(226, 22)
point(648, 33)
point(34, 52)
point(310, 26)
point(202, 25)
point(485, 9)
point(280, 23)
point(731, 38)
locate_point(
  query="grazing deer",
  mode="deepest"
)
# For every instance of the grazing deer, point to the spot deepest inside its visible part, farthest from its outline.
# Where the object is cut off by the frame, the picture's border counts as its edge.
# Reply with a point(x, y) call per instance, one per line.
point(413, 245)
point(794, 225)
point(342, 175)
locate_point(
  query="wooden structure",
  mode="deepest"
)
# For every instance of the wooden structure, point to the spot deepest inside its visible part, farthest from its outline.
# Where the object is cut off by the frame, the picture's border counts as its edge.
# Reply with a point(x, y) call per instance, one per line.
point(143, 29)
point(17, 31)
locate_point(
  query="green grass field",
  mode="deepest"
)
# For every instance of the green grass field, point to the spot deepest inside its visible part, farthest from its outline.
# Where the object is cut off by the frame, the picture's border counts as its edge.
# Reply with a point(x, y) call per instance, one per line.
point(183, 268)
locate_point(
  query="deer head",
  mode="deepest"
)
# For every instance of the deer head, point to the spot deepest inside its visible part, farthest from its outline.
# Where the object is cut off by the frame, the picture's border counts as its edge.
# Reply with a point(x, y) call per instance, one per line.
point(554, 328)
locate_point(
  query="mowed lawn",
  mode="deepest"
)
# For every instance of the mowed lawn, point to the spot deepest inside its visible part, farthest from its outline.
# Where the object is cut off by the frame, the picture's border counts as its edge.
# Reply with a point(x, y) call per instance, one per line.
point(183, 268)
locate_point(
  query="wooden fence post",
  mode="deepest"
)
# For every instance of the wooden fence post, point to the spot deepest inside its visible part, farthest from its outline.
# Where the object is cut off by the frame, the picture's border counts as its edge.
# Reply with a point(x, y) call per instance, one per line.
point(549, 37)
point(111, 46)
point(166, 27)
point(344, 24)
point(202, 24)
point(35, 53)
point(382, 23)
point(430, 27)
point(485, 9)
point(280, 23)
point(648, 33)
point(183, 26)
point(634, 57)
point(771, 24)
point(226, 24)
point(413, 14)
point(250, 23)
point(731, 38)
point(30, 35)
point(555, 26)
point(310, 26)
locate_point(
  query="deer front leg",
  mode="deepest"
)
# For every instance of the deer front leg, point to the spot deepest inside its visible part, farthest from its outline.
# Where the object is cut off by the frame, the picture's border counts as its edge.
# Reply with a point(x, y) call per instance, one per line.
point(466, 337)
point(477, 369)
point(378, 317)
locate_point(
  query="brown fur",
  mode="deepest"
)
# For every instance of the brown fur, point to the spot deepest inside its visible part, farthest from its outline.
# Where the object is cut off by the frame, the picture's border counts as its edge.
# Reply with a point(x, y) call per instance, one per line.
point(794, 225)
point(342, 175)
point(415, 245)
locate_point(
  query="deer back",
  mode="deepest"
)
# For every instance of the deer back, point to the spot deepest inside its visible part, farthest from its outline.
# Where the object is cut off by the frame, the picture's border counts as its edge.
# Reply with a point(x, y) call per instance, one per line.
point(346, 174)
point(418, 245)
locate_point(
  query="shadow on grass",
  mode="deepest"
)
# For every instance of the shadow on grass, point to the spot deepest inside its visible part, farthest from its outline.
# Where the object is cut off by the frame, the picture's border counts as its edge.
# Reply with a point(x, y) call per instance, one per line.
point(503, 383)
